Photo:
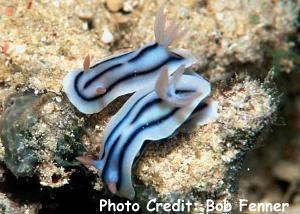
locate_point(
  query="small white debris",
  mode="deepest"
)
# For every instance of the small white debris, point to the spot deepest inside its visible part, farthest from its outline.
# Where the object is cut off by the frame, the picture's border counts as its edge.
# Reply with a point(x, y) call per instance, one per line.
point(20, 48)
point(107, 36)
point(58, 99)
point(127, 7)
point(8, 79)
point(56, 3)
point(43, 39)
point(85, 26)
point(97, 127)
point(226, 159)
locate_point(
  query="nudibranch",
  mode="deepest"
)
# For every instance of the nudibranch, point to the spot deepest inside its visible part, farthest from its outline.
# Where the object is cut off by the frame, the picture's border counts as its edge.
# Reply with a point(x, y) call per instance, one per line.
point(151, 114)
point(92, 88)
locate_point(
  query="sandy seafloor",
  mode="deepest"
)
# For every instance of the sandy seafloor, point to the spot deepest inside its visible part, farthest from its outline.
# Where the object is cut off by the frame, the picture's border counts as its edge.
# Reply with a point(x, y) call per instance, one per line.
point(248, 50)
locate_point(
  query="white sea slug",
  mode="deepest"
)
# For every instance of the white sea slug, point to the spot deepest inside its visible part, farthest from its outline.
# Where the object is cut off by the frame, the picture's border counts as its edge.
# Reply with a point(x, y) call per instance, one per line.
point(92, 88)
point(151, 115)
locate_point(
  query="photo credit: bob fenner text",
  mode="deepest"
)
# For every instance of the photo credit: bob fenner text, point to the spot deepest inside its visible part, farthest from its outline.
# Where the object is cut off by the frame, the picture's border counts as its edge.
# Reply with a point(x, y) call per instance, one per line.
point(153, 206)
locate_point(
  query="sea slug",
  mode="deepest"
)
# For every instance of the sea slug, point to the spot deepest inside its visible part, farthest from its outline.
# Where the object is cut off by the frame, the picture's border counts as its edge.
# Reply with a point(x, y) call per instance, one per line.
point(92, 88)
point(150, 115)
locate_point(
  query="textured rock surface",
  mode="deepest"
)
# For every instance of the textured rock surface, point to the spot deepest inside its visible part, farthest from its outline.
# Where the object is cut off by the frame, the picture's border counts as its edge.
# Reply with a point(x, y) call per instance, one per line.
point(40, 136)
point(46, 39)
point(9, 206)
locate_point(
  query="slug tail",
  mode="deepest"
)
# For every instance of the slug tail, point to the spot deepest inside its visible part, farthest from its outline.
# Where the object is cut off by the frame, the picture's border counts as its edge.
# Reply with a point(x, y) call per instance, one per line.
point(112, 186)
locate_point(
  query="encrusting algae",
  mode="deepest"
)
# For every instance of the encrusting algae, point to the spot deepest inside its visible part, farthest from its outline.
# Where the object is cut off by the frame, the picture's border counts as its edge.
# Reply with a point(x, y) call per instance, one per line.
point(40, 136)
point(49, 38)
